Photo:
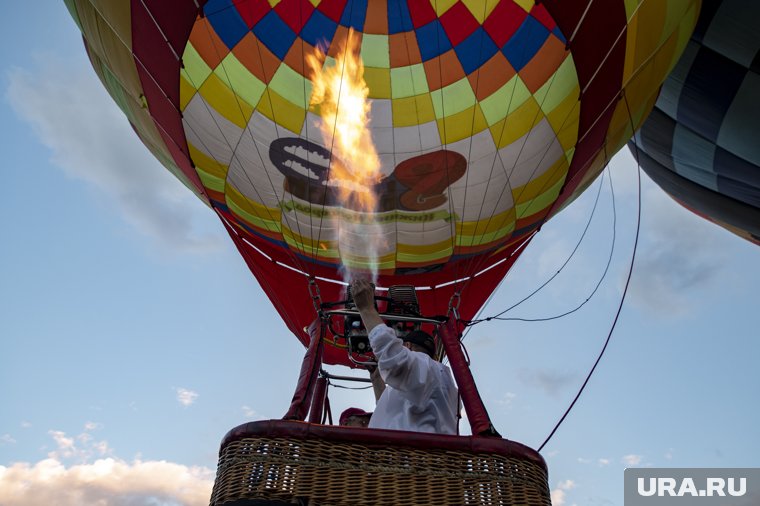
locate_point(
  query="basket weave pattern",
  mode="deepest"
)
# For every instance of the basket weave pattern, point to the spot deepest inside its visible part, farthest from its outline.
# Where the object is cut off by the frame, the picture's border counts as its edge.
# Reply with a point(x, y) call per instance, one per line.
point(323, 472)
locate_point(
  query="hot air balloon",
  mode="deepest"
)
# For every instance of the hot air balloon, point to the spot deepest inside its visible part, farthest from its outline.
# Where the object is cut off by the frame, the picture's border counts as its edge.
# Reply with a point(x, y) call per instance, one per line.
point(700, 142)
point(480, 119)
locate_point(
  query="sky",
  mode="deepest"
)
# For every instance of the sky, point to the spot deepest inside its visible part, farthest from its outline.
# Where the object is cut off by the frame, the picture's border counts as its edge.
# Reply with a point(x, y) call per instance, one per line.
point(133, 336)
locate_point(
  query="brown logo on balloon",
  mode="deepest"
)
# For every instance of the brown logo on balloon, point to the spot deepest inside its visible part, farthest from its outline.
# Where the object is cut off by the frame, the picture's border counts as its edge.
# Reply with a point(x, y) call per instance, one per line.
point(426, 177)
point(416, 184)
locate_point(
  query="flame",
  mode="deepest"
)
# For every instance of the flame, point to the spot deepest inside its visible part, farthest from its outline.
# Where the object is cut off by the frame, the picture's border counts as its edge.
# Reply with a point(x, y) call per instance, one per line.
point(340, 92)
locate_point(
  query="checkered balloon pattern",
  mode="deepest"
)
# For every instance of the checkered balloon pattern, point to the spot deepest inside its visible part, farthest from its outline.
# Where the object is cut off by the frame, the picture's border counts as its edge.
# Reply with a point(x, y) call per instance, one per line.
point(488, 117)
point(472, 114)
point(700, 143)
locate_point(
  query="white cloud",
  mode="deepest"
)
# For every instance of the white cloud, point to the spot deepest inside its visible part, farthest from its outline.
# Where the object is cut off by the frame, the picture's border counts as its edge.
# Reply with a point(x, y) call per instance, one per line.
point(25, 424)
point(604, 462)
point(632, 460)
point(558, 497)
point(92, 426)
point(669, 454)
point(81, 447)
point(507, 398)
point(66, 446)
point(186, 397)
point(92, 141)
point(105, 482)
point(248, 412)
point(7, 439)
point(100, 480)
point(559, 494)
point(581, 460)
point(101, 447)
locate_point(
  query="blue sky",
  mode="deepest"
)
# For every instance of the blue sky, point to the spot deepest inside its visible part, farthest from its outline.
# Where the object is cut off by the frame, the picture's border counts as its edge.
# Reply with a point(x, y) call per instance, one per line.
point(132, 336)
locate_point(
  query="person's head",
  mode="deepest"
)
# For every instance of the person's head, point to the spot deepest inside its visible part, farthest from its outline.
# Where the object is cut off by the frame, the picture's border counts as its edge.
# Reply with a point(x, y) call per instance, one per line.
point(420, 341)
point(354, 417)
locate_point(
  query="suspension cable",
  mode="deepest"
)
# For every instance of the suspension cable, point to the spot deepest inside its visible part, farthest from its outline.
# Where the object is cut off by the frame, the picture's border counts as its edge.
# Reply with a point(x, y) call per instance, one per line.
point(622, 298)
point(498, 316)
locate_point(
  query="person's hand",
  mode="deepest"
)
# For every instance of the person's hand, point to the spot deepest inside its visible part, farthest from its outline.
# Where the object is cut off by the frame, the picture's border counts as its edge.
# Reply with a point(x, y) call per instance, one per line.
point(363, 294)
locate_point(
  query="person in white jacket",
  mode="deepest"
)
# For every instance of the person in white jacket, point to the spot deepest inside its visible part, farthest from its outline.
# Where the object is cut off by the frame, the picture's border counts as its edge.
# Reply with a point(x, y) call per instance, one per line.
point(420, 393)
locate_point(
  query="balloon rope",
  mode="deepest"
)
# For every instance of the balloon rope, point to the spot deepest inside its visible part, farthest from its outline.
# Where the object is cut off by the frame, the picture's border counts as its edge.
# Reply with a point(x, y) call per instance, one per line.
point(302, 266)
point(622, 299)
point(444, 137)
point(561, 268)
point(478, 262)
point(462, 269)
point(335, 123)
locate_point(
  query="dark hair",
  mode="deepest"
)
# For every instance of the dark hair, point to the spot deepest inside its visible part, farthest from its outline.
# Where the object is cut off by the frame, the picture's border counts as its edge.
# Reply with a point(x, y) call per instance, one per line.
point(422, 339)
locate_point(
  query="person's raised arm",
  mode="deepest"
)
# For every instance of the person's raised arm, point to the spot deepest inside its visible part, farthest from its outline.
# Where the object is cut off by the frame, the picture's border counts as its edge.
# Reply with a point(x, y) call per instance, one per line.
point(378, 385)
point(363, 294)
point(401, 368)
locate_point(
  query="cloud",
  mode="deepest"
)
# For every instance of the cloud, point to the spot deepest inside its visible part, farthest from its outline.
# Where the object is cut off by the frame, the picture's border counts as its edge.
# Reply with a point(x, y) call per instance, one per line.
point(549, 260)
point(186, 397)
point(632, 460)
point(507, 398)
point(677, 255)
point(92, 426)
point(669, 454)
point(100, 480)
point(7, 439)
point(558, 497)
point(559, 494)
point(65, 444)
point(581, 460)
point(603, 462)
point(551, 382)
point(25, 424)
point(482, 342)
point(248, 412)
point(92, 141)
point(81, 448)
point(105, 482)
point(678, 252)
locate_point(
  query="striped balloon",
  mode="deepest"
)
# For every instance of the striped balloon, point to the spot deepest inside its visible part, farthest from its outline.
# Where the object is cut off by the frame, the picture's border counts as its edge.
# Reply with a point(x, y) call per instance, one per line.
point(701, 143)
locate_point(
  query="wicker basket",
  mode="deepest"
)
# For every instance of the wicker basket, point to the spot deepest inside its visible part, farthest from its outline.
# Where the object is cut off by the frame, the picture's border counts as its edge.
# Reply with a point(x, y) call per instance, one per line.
point(286, 462)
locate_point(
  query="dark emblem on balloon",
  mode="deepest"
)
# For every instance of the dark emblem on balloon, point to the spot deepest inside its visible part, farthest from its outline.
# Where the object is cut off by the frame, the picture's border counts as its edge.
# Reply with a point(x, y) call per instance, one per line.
point(416, 184)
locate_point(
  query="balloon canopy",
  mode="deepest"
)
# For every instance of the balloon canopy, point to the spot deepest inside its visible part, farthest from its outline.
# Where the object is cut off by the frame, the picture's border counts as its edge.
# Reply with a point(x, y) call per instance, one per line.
point(701, 142)
point(487, 118)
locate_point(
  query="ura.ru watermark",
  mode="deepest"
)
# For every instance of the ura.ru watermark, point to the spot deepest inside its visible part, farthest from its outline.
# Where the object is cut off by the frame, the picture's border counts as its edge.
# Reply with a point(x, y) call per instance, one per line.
point(688, 487)
point(693, 486)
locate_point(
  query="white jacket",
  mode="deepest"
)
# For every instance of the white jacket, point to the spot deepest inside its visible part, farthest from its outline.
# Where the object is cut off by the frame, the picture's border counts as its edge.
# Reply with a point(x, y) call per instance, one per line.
point(420, 394)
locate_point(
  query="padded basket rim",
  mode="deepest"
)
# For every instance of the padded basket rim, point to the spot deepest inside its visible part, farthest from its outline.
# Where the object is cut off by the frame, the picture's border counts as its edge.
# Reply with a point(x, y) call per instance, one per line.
point(384, 438)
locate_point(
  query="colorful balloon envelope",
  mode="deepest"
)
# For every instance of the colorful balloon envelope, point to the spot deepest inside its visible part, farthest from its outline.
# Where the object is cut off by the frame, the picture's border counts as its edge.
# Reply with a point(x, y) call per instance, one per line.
point(701, 142)
point(487, 117)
